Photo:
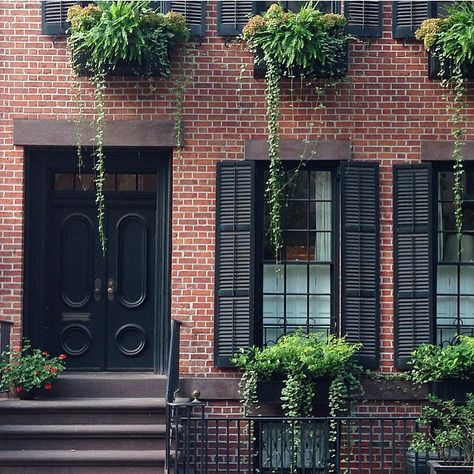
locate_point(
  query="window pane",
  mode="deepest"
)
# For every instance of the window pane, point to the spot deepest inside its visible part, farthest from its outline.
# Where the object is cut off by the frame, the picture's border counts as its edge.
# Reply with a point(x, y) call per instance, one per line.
point(271, 335)
point(445, 335)
point(298, 185)
point(448, 248)
point(320, 216)
point(85, 182)
point(320, 279)
point(467, 310)
point(320, 246)
point(296, 246)
point(320, 310)
point(468, 216)
point(296, 310)
point(297, 215)
point(445, 186)
point(467, 248)
point(273, 310)
point(296, 279)
point(447, 217)
point(273, 279)
point(147, 182)
point(447, 279)
point(320, 185)
point(64, 181)
point(446, 310)
point(126, 182)
point(467, 280)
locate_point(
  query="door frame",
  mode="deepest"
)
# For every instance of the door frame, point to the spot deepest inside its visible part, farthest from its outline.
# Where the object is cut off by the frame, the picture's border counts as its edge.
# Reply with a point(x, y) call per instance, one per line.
point(40, 165)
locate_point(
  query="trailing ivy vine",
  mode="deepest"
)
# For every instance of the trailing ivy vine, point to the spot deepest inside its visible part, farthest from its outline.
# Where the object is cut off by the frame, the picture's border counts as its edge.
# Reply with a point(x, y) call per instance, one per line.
point(308, 43)
point(108, 35)
point(451, 41)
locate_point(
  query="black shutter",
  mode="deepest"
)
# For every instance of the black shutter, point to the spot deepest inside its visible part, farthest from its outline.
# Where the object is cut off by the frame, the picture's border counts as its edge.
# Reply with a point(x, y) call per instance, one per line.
point(194, 12)
point(413, 263)
point(360, 258)
point(54, 16)
point(407, 17)
point(364, 18)
point(233, 15)
point(235, 255)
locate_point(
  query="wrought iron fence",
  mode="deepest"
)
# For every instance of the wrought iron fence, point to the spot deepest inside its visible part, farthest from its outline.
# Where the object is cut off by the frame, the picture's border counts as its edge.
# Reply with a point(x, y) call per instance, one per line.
point(206, 444)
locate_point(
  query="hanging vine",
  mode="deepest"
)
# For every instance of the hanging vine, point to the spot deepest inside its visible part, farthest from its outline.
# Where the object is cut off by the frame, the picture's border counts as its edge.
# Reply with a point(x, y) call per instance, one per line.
point(451, 41)
point(309, 43)
point(111, 34)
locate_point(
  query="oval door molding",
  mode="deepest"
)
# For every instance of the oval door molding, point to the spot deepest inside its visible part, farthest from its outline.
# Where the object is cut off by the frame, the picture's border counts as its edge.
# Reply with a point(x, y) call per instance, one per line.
point(75, 339)
point(130, 339)
point(131, 264)
point(76, 260)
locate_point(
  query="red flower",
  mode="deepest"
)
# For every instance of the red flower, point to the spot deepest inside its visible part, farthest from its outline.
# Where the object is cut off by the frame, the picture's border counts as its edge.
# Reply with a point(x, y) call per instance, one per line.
point(45, 354)
point(47, 367)
point(48, 386)
point(62, 357)
point(19, 389)
point(53, 370)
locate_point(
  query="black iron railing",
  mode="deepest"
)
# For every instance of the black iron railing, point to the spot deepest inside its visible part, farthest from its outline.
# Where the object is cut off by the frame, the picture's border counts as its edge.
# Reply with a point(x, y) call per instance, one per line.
point(206, 444)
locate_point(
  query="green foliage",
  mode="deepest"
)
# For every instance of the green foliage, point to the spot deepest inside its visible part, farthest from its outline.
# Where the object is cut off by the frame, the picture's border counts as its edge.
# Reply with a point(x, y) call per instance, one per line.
point(105, 35)
point(299, 360)
point(30, 368)
point(451, 40)
point(432, 363)
point(447, 429)
point(309, 42)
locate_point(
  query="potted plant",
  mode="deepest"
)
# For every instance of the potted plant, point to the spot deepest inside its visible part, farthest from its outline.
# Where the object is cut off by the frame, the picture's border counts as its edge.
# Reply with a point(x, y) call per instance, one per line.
point(308, 43)
point(447, 431)
point(450, 41)
point(449, 370)
point(300, 371)
point(30, 372)
point(118, 37)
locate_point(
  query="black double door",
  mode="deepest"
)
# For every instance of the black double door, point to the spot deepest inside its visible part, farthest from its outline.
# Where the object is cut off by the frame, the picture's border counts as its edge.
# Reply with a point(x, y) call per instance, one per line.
point(100, 309)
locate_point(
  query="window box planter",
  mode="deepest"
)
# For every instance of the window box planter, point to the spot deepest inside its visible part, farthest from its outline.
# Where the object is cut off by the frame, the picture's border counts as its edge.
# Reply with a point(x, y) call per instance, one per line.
point(317, 71)
point(452, 389)
point(269, 391)
point(436, 467)
point(434, 68)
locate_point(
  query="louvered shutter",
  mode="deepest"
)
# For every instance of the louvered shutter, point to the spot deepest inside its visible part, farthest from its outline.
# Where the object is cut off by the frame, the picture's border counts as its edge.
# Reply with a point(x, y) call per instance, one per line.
point(364, 18)
point(235, 244)
point(194, 12)
point(413, 262)
point(54, 16)
point(360, 258)
point(407, 17)
point(232, 16)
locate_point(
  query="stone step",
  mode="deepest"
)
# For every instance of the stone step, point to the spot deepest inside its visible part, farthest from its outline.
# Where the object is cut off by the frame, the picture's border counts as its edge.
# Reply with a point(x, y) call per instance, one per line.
point(83, 411)
point(82, 462)
point(82, 437)
point(109, 385)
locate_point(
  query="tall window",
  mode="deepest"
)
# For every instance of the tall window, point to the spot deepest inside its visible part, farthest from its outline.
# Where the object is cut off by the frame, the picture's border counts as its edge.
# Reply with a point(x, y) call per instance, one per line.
point(455, 261)
point(297, 292)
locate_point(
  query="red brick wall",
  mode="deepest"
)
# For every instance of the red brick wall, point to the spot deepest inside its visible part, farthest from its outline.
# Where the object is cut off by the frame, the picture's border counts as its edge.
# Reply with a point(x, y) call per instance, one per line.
point(385, 109)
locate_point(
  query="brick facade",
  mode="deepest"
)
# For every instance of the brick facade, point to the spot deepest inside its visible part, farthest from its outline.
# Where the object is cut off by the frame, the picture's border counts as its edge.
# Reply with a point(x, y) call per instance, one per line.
point(386, 109)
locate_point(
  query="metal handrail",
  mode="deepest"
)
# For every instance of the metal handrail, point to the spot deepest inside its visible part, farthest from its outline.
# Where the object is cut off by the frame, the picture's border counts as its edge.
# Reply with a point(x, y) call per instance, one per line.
point(172, 379)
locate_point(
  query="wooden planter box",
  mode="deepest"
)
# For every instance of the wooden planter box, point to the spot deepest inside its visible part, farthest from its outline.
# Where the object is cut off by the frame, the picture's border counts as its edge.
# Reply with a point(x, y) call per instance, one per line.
point(435, 467)
point(434, 68)
point(452, 389)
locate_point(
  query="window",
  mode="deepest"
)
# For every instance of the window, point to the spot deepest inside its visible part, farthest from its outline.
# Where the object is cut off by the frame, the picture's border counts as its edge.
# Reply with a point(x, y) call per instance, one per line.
point(257, 303)
point(454, 260)
point(297, 292)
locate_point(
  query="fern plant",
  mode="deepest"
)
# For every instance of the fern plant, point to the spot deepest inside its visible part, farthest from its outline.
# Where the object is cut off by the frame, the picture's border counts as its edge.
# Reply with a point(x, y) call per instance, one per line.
point(107, 35)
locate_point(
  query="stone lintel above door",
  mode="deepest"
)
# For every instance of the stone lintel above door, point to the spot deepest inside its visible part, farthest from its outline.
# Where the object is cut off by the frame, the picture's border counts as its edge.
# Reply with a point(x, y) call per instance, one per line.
point(118, 133)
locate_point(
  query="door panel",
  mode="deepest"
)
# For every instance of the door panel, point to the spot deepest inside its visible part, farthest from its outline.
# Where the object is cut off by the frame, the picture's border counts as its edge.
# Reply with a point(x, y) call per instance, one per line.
point(130, 276)
point(75, 320)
